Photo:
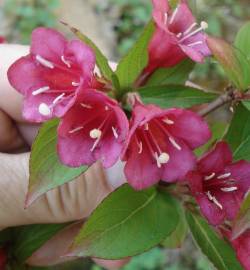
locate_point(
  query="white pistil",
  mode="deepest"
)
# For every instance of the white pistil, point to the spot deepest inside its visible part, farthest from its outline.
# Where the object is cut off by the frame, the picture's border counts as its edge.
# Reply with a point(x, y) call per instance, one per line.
point(174, 143)
point(44, 62)
point(190, 28)
point(95, 133)
point(58, 98)
point(179, 35)
point(106, 108)
point(140, 147)
point(75, 83)
point(208, 177)
point(44, 109)
point(146, 127)
point(162, 159)
point(75, 130)
point(168, 121)
point(214, 200)
point(229, 189)
point(173, 15)
point(40, 90)
point(115, 133)
point(87, 106)
point(202, 27)
point(223, 176)
point(165, 18)
point(67, 63)
point(195, 43)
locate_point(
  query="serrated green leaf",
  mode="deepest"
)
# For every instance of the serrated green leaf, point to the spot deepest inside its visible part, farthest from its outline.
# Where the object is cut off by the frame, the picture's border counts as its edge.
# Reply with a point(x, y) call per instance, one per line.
point(217, 250)
point(101, 60)
point(131, 66)
point(168, 96)
point(238, 135)
point(46, 170)
point(127, 223)
point(230, 59)
point(28, 239)
point(242, 222)
point(177, 237)
point(175, 75)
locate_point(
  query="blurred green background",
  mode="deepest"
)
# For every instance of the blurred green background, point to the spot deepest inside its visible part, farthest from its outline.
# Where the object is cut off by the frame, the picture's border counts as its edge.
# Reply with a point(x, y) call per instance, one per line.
point(114, 25)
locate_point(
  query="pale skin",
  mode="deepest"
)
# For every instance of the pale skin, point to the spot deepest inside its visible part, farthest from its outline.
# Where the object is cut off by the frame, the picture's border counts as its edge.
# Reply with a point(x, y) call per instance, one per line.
point(73, 201)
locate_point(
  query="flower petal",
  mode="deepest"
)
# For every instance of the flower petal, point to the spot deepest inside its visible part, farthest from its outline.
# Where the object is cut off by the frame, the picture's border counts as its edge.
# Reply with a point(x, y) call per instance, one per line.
point(216, 159)
point(189, 127)
point(195, 182)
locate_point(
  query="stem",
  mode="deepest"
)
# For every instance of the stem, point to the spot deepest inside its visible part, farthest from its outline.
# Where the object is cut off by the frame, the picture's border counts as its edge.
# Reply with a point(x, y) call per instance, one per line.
point(220, 101)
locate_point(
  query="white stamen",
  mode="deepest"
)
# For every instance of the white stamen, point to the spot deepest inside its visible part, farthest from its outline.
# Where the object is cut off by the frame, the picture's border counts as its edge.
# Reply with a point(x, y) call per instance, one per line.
point(75, 130)
point(140, 147)
point(203, 26)
point(174, 143)
point(86, 106)
point(40, 90)
point(44, 109)
point(208, 177)
point(174, 15)
point(95, 133)
point(194, 43)
point(106, 108)
point(217, 203)
point(168, 121)
point(67, 63)
point(146, 127)
point(165, 18)
point(75, 83)
point(213, 199)
point(229, 189)
point(179, 35)
point(44, 62)
point(157, 160)
point(115, 132)
point(58, 98)
point(190, 28)
point(226, 175)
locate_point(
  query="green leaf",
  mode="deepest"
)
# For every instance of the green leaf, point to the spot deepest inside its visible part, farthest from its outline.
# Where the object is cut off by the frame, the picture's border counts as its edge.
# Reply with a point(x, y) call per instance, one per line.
point(242, 42)
point(177, 237)
point(131, 66)
point(127, 223)
point(230, 59)
point(238, 135)
point(46, 170)
point(28, 239)
point(242, 222)
point(217, 250)
point(101, 60)
point(175, 75)
point(168, 96)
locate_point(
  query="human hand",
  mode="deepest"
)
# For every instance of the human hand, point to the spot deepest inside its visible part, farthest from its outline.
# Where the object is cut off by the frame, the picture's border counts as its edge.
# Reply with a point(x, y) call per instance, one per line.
point(72, 201)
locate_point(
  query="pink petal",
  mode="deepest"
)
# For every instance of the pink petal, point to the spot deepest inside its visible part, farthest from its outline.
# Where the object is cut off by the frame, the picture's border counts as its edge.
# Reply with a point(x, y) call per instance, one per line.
point(210, 210)
point(216, 159)
point(192, 53)
point(24, 74)
point(180, 162)
point(160, 8)
point(48, 43)
point(141, 171)
point(189, 126)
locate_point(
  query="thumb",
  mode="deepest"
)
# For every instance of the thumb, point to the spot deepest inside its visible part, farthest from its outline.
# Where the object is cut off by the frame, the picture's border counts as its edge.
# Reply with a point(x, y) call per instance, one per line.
point(72, 201)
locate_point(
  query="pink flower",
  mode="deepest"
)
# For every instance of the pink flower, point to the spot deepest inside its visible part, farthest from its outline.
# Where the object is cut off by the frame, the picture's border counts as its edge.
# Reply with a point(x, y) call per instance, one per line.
point(52, 74)
point(177, 36)
point(219, 185)
point(160, 144)
point(95, 128)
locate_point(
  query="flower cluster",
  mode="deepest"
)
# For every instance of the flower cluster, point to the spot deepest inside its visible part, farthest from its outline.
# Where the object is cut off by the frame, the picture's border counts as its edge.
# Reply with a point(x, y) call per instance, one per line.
point(58, 80)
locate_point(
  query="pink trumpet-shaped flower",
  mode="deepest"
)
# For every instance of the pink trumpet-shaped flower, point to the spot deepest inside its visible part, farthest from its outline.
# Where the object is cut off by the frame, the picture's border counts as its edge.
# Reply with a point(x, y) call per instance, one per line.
point(219, 185)
point(95, 128)
point(160, 144)
point(52, 74)
point(176, 37)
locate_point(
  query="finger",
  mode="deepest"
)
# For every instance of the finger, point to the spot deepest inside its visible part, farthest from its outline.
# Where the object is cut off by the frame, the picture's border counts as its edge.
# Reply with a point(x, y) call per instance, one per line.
point(72, 201)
